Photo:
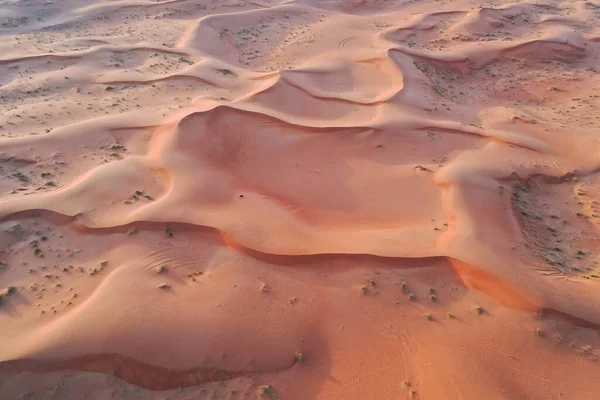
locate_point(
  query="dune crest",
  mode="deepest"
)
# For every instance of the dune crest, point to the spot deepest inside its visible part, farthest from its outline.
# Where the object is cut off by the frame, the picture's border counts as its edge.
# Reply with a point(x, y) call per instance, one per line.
point(304, 199)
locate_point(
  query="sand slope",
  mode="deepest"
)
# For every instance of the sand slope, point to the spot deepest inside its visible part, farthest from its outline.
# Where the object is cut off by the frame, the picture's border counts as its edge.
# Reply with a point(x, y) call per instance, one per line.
point(305, 199)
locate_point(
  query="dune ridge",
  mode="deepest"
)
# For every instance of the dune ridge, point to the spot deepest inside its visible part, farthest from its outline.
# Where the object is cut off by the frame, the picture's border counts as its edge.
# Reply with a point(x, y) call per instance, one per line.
point(299, 199)
point(128, 369)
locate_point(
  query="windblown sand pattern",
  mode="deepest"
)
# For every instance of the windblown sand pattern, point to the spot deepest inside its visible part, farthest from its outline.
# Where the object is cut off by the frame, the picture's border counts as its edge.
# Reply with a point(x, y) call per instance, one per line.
point(303, 199)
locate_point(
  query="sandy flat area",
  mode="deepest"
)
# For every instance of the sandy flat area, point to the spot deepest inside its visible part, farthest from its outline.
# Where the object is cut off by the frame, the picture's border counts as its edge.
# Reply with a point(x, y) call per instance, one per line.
point(300, 199)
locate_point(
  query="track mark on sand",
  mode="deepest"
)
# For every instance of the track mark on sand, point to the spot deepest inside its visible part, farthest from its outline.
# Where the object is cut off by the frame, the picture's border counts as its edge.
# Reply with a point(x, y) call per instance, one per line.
point(342, 44)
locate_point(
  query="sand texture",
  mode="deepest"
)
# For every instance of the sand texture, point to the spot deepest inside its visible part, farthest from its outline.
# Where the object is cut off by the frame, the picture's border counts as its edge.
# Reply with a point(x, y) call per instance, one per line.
point(301, 199)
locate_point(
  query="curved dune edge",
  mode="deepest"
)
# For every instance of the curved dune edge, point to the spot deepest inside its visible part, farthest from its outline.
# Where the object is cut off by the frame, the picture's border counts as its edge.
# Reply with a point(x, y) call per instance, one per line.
point(472, 277)
point(406, 192)
point(130, 370)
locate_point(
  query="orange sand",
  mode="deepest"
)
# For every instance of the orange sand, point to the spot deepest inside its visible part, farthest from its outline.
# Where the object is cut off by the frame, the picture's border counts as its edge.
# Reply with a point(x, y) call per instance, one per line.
point(301, 199)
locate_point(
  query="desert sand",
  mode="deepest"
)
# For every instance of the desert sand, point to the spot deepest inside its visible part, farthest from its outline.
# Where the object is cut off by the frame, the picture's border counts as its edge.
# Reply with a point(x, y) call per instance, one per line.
point(302, 199)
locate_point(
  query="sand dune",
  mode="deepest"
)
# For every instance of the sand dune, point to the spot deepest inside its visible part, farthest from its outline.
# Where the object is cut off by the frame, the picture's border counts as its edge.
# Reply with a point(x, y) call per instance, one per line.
point(303, 199)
